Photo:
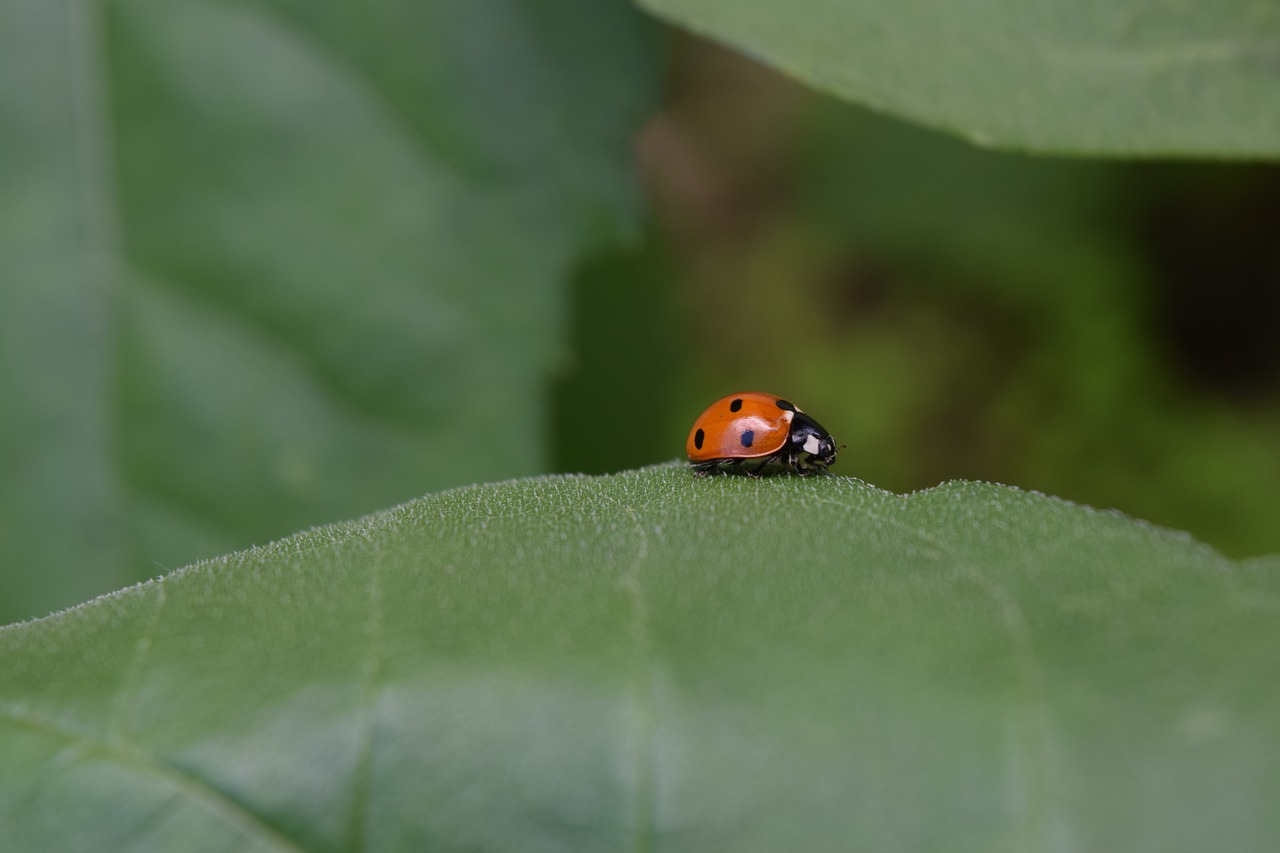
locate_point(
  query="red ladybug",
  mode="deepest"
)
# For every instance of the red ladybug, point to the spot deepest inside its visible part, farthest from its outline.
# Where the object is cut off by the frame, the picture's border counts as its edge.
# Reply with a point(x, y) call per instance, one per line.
point(754, 425)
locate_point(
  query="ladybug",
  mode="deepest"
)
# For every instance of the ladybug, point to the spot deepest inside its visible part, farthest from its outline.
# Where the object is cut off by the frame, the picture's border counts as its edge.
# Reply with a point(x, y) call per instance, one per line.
point(754, 425)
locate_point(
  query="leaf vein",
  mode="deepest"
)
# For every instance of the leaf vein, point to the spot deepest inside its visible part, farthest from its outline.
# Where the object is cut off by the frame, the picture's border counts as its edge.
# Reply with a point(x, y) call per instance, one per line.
point(1035, 738)
point(133, 673)
point(641, 699)
point(371, 676)
point(187, 784)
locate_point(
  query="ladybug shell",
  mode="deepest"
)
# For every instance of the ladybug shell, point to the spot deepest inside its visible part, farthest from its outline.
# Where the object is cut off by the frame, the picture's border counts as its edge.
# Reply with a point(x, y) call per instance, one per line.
point(746, 425)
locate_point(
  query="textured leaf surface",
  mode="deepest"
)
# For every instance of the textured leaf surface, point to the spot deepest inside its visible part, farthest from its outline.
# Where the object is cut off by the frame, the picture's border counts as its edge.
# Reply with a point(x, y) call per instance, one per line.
point(268, 264)
point(1145, 77)
point(656, 661)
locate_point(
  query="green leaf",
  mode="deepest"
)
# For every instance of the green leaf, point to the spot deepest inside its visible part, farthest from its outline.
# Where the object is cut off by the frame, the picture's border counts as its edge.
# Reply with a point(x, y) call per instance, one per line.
point(1131, 77)
point(658, 661)
point(268, 264)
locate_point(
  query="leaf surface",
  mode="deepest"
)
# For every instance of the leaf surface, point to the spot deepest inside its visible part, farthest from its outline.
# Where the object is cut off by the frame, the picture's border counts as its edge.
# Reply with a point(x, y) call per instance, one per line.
point(657, 661)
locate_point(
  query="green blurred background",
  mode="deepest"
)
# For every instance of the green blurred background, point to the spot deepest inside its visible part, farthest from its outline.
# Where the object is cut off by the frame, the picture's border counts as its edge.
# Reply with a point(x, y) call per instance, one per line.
point(271, 266)
point(1104, 331)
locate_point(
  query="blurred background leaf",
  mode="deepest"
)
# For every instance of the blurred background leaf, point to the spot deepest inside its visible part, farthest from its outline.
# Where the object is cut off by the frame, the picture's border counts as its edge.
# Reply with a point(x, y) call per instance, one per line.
point(271, 264)
point(1121, 77)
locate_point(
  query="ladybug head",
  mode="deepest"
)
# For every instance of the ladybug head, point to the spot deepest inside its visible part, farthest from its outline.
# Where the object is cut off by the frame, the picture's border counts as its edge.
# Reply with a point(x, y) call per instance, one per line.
point(807, 435)
point(827, 451)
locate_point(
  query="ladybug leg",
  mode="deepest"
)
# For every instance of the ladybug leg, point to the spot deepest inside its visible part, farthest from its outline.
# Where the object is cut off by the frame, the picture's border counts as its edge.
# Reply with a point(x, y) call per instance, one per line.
point(816, 465)
point(716, 466)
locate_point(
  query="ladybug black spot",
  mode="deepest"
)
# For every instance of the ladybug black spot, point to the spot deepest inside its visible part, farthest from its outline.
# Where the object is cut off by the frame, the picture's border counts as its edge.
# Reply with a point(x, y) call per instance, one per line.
point(748, 437)
point(698, 438)
point(735, 405)
point(785, 406)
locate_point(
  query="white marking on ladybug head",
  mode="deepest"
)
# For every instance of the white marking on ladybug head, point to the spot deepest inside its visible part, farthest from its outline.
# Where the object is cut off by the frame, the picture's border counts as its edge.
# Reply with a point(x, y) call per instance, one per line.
point(811, 444)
